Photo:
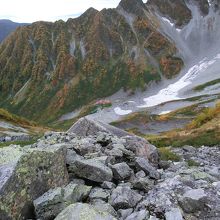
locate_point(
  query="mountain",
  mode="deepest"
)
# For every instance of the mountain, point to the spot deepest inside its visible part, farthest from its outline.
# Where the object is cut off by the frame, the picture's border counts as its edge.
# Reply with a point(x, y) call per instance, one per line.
point(7, 27)
point(49, 69)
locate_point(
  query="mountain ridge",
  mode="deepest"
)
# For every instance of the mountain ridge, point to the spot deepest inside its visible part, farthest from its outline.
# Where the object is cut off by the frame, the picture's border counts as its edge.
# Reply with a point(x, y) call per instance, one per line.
point(7, 27)
point(80, 56)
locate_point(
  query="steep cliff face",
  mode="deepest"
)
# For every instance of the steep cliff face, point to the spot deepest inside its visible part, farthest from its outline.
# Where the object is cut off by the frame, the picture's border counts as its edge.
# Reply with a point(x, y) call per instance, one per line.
point(51, 68)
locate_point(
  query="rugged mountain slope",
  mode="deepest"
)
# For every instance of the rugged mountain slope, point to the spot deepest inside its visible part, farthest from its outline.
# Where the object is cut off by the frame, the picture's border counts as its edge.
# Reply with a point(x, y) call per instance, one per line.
point(6, 27)
point(47, 69)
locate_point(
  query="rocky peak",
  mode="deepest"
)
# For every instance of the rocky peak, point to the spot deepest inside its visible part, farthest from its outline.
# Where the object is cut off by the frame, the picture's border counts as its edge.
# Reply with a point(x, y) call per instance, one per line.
point(132, 6)
point(175, 10)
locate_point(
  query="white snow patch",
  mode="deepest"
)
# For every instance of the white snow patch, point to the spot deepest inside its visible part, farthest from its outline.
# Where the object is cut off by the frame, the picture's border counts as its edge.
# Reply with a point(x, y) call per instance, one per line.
point(120, 111)
point(164, 112)
point(168, 21)
point(170, 93)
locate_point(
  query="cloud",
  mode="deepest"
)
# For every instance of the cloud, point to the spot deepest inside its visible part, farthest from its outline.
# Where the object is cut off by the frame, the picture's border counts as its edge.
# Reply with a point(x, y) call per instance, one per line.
point(49, 10)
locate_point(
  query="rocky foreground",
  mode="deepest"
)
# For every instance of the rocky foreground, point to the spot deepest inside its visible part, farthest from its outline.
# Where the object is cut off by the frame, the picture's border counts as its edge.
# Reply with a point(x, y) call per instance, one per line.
point(98, 172)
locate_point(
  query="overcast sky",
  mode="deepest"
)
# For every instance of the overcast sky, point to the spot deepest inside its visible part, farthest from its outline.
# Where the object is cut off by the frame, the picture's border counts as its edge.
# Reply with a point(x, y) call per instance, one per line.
point(49, 10)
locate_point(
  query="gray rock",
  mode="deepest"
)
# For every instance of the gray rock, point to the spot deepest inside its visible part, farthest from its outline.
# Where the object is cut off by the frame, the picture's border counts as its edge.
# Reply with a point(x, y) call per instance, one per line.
point(92, 170)
point(27, 175)
point(86, 126)
point(144, 165)
point(164, 164)
point(217, 185)
point(99, 193)
point(50, 204)
point(76, 192)
point(72, 156)
point(193, 200)
point(189, 149)
point(123, 197)
point(140, 174)
point(80, 211)
point(140, 215)
point(142, 148)
point(124, 213)
point(85, 146)
point(174, 214)
point(104, 207)
point(108, 185)
point(121, 171)
point(143, 184)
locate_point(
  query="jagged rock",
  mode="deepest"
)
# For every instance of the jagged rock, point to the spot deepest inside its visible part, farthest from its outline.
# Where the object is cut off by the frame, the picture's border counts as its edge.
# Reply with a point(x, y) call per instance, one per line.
point(72, 156)
point(123, 197)
point(86, 126)
point(51, 203)
point(140, 215)
point(104, 207)
point(108, 185)
point(164, 164)
point(121, 171)
point(144, 165)
point(124, 213)
point(142, 148)
point(80, 211)
point(193, 200)
point(92, 170)
point(143, 184)
point(28, 175)
point(99, 193)
point(76, 192)
point(85, 146)
point(174, 214)
point(189, 149)
point(140, 174)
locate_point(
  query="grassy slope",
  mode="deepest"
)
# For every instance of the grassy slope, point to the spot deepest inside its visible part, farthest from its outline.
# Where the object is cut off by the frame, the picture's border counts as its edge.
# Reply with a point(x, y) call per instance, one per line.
point(32, 127)
point(203, 130)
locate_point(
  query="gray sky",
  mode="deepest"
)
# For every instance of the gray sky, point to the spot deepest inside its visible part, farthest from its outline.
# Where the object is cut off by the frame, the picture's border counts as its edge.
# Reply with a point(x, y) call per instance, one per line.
point(49, 10)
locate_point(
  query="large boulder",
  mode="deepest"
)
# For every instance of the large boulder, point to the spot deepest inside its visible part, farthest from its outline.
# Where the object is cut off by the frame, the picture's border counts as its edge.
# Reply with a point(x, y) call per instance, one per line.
point(91, 169)
point(141, 147)
point(86, 126)
point(80, 211)
point(25, 174)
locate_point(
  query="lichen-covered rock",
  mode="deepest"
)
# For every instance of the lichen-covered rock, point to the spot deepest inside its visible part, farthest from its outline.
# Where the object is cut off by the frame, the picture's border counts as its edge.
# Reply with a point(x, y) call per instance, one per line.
point(93, 170)
point(80, 211)
point(29, 175)
point(51, 203)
